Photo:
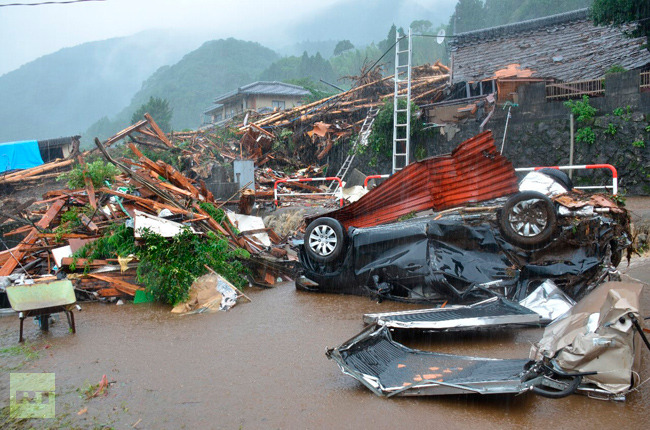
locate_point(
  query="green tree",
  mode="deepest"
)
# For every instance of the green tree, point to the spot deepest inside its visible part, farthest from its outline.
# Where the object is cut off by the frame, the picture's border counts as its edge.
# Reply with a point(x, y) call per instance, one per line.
point(621, 12)
point(159, 110)
point(467, 16)
point(342, 46)
point(288, 68)
point(387, 46)
point(422, 26)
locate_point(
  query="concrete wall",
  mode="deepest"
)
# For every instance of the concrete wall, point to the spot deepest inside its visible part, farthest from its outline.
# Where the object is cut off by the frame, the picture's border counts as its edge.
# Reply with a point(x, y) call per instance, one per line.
point(538, 133)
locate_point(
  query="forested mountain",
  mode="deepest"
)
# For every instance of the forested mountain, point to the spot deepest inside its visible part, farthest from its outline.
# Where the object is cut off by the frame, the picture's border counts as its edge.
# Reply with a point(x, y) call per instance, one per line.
point(291, 68)
point(62, 93)
point(198, 78)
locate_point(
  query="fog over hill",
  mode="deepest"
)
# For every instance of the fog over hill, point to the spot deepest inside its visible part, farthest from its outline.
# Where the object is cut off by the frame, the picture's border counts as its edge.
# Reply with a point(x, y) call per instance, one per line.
point(64, 92)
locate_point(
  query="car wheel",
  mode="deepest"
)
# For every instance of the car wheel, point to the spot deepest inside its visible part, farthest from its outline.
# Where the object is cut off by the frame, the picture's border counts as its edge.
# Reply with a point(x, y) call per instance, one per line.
point(559, 176)
point(324, 240)
point(528, 219)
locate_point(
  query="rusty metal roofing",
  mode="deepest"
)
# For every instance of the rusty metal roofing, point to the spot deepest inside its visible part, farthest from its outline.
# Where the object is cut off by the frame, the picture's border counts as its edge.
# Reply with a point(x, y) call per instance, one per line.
point(473, 172)
point(567, 47)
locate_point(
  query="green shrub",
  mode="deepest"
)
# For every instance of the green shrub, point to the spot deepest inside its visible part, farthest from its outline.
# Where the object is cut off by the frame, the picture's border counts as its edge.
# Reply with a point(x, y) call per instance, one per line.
point(581, 109)
point(380, 141)
point(611, 129)
point(118, 241)
point(586, 135)
point(625, 113)
point(98, 171)
point(169, 266)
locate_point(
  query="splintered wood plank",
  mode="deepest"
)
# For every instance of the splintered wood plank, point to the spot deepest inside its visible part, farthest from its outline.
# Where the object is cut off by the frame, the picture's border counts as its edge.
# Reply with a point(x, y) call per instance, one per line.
point(118, 284)
point(90, 189)
point(158, 131)
point(31, 238)
point(148, 203)
point(109, 292)
point(89, 223)
point(120, 135)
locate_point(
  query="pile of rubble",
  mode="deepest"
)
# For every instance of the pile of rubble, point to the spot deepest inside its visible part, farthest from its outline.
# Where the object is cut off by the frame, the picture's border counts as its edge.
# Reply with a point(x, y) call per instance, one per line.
point(146, 194)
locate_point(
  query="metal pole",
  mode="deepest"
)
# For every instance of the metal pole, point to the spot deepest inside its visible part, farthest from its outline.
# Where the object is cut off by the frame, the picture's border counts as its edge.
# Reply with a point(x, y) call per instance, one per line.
point(571, 146)
point(505, 131)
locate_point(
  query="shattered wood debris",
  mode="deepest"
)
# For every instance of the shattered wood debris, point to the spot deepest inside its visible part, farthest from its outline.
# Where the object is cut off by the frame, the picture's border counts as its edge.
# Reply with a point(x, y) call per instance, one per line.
point(318, 125)
point(147, 190)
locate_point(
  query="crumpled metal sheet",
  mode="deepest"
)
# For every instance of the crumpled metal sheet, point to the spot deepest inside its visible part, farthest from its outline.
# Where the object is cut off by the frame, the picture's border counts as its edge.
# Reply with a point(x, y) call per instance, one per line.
point(474, 172)
point(389, 368)
point(490, 313)
point(548, 301)
point(608, 348)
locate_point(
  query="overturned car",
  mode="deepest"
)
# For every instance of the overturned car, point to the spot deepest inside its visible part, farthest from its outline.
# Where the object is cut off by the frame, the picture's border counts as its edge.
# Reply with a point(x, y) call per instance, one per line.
point(474, 233)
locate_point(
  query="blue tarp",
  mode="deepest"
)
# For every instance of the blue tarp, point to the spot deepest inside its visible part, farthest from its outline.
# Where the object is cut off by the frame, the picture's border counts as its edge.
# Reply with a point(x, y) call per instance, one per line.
point(19, 155)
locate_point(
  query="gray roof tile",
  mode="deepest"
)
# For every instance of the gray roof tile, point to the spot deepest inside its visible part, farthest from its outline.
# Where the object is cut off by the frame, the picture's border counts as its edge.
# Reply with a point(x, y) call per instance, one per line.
point(567, 47)
point(266, 88)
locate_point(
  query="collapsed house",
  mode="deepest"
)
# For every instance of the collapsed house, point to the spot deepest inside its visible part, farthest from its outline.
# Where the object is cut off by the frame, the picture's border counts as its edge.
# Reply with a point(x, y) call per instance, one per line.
point(26, 162)
point(145, 195)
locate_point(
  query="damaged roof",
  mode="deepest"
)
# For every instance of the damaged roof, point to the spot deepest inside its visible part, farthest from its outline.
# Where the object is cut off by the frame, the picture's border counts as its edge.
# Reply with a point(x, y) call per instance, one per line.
point(566, 46)
point(266, 88)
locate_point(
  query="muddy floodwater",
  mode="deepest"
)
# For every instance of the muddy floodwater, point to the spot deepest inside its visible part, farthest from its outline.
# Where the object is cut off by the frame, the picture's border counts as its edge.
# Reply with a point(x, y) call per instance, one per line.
point(262, 365)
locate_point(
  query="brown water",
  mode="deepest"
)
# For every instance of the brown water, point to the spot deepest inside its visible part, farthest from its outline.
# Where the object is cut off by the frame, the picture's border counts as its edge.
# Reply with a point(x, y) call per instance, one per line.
point(262, 365)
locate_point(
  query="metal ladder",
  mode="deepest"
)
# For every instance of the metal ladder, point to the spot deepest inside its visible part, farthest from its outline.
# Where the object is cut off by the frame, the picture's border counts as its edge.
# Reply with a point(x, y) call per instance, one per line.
point(402, 79)
point(366, 128)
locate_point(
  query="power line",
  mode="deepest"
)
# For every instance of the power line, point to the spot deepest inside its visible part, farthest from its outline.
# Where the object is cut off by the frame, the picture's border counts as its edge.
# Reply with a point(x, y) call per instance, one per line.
point(47, 3)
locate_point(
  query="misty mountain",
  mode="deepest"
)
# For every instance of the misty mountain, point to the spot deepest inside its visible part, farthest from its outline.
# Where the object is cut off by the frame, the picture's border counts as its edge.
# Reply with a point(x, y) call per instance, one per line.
point(323, 47)
point(366, 21)
point(190, 85)
point(62, 93)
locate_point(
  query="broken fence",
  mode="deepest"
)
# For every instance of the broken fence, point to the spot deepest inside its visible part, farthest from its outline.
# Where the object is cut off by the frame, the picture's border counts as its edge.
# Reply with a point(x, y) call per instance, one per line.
point(338, 192)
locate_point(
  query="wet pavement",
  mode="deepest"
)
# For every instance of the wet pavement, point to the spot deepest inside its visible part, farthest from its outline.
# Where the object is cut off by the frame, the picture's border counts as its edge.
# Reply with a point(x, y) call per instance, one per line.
point(262, 365)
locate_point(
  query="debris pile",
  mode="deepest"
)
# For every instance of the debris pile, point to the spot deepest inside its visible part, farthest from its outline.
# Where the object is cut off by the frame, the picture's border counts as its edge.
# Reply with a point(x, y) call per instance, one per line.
point(316, 127)
point(146, 195)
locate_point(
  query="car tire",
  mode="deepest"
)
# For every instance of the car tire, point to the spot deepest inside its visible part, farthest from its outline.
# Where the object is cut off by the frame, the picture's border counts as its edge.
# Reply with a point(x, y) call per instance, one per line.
point(528, 219)
point(558, 176)
point(324, 240)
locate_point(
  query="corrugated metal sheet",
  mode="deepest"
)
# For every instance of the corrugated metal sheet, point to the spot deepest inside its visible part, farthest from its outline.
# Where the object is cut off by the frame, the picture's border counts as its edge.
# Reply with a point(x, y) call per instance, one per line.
point(473, 172)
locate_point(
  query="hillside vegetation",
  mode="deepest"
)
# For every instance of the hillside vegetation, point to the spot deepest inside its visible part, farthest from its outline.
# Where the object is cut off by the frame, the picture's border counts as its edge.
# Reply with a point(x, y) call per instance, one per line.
point(195, 81)
point(62, 93)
